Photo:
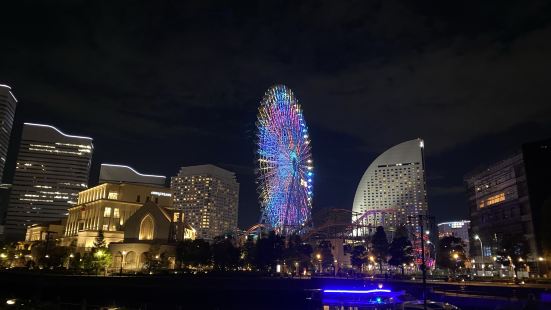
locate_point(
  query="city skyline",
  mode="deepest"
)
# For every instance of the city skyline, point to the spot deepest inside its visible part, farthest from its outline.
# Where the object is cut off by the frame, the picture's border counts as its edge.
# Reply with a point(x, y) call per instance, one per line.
point(386, 154)
point(431, 85)
point(96, 179)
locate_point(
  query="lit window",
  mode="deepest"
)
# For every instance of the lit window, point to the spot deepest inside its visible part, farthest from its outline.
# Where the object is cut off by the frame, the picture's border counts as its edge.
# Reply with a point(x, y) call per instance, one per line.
point(105, 227)
point(107, 212)
point(176, 217)
point(493, 200)
point(116, 213)
point(113, 195)
point(147, 228)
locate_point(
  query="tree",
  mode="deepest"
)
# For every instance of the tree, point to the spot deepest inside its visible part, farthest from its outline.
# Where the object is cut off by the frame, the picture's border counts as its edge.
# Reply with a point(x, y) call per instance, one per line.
point(183, 250)
point(359, 256)
point(401, 249)
point(58, 256)
point(49, 255)
point(101, 260)
point(379, 244)
point(451, 253)
point(269, 251)
point(101, 257)
point(10, 256)
point(297, 253)
point(325, 250)
point(193, 252)
point(154, 259)
point(87, 263)
point(224, 254)
point(512, 251)
point(201, 252)
point(248, 253)
point(100, 241)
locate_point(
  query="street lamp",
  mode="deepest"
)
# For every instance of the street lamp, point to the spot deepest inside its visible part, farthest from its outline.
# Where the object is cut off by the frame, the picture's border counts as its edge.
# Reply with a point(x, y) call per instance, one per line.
point(477, 237)
point(318, 256)
point(71, 256)
point(540, 259)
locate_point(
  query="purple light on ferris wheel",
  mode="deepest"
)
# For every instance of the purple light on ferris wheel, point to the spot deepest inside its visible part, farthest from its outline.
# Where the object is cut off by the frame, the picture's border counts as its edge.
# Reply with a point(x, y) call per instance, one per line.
point(284, 161)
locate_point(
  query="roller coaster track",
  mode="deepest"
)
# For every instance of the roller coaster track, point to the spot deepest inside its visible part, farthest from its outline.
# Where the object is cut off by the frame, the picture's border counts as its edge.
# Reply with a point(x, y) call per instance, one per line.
point(345, 229)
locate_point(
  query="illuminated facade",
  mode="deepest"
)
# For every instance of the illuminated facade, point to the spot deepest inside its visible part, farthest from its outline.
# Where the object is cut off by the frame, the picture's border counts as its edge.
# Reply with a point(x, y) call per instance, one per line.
point(110, 173)
point(392, 188)
point(51, 168)
point(150, 233)
point(44, 231)
point(106, 207)
point(458, 229)
point(512, 197)
point(8, 104)
point(209, 197)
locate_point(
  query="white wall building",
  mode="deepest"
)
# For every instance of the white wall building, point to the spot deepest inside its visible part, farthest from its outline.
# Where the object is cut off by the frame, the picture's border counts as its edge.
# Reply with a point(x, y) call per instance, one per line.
point(392, 188)
point(111, 173)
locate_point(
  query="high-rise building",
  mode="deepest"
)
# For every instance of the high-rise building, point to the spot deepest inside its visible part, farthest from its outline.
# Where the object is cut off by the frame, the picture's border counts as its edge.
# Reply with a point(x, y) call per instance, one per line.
point(458, 229)
point(51, 168)
point(110, 173)
point(392, 188)
point(499, 204)
point(106, 207)
point(7, 114)
point(511, 198)
point(208, 196)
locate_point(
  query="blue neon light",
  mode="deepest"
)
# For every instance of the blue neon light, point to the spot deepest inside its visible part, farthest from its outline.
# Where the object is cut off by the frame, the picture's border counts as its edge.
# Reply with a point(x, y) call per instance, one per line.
point(358, 291)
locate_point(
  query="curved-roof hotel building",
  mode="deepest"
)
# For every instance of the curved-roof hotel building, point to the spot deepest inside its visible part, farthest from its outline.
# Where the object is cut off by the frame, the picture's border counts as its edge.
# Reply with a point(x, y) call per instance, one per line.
point(392, 188)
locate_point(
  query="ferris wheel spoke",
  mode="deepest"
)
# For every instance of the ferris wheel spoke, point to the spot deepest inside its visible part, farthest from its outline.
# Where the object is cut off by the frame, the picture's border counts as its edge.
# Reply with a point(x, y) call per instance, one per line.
point(284, 161)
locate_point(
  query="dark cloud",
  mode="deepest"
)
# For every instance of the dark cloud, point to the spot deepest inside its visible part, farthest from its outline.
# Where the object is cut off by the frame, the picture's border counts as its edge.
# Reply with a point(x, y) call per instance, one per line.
point(162, 84)
point(446, 191)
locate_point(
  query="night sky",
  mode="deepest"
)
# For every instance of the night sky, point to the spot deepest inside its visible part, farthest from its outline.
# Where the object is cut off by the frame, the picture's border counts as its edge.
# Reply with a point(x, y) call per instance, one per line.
point(162, 84)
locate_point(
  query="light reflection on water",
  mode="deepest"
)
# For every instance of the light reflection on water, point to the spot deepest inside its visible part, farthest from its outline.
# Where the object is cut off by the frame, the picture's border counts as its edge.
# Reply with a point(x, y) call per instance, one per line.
point(379, 299)
point(334, 307)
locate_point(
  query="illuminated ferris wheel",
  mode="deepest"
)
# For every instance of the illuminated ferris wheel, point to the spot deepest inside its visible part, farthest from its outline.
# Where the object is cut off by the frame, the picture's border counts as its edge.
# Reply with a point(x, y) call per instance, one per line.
point(285, 169)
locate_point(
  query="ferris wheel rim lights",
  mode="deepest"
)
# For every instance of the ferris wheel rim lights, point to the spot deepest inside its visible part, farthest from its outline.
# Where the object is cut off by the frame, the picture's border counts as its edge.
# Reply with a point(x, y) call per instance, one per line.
point(284, 165)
